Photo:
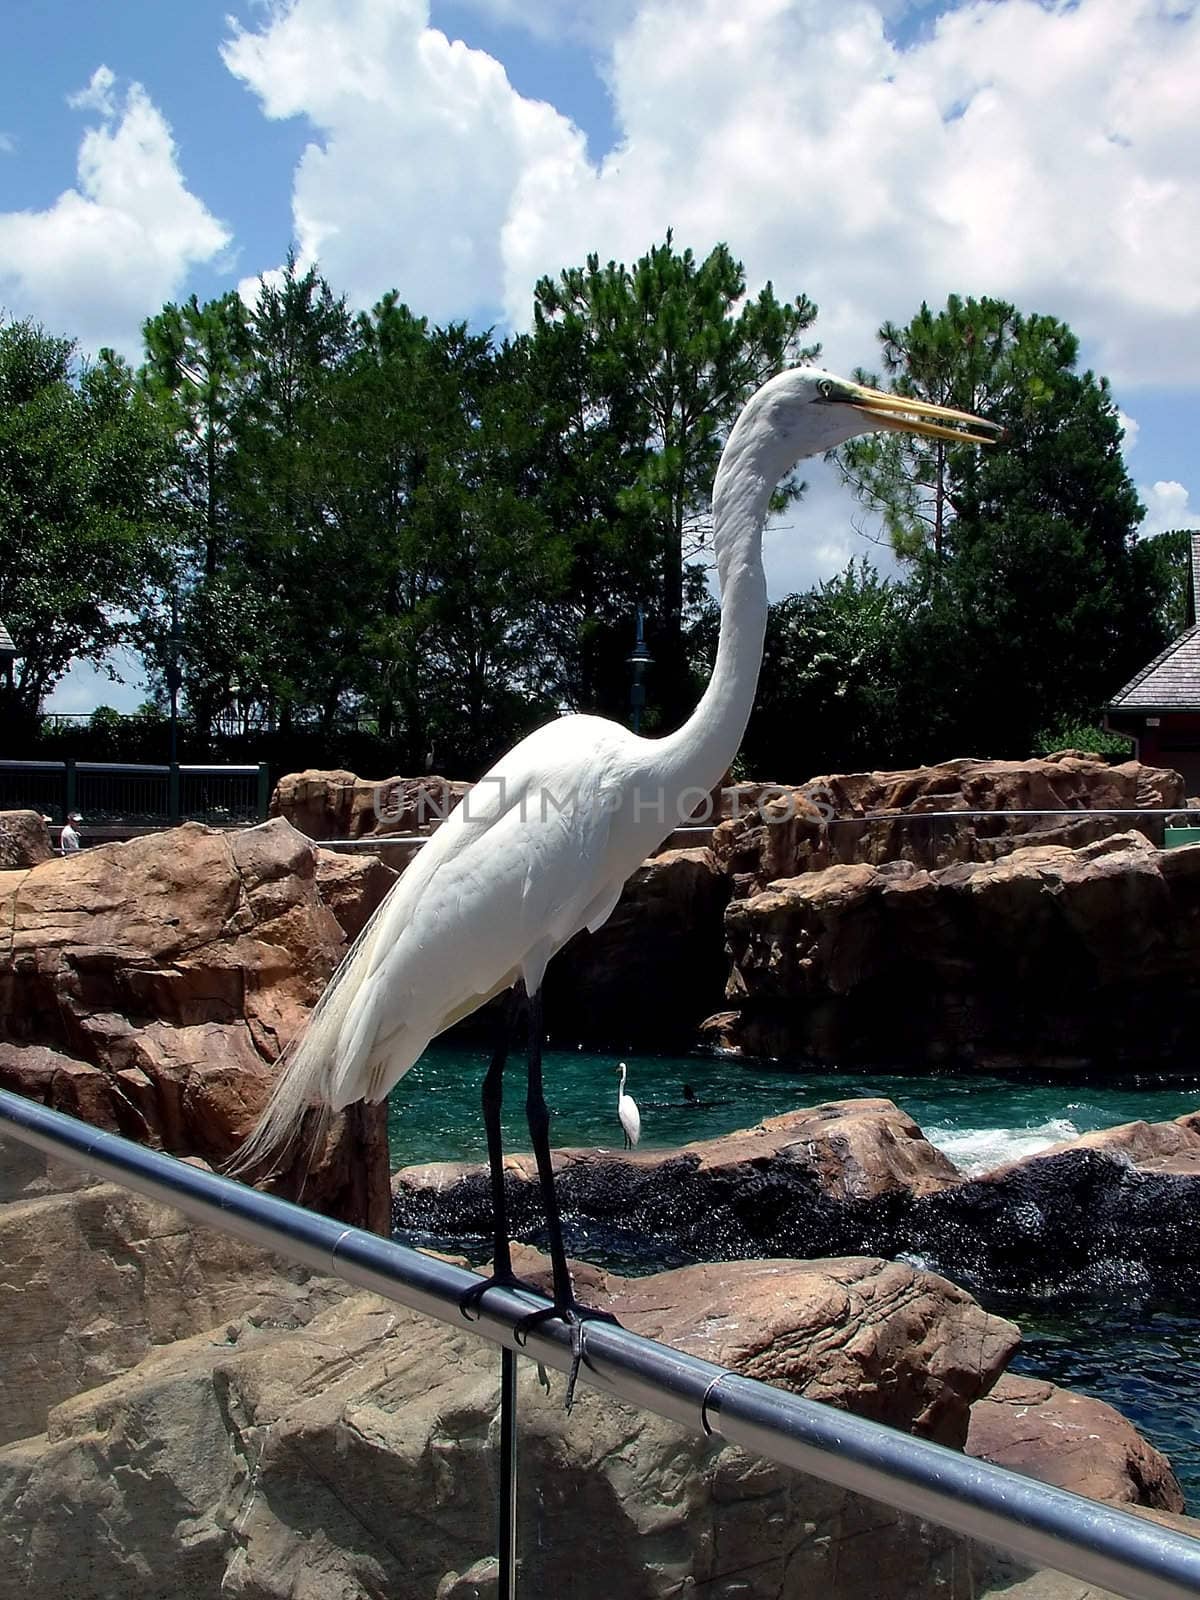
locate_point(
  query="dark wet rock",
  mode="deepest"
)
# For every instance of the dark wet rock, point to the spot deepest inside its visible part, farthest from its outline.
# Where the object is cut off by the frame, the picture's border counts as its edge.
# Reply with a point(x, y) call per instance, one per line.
point(854, 1177)
point(811, 1182)
point(1082, 1221)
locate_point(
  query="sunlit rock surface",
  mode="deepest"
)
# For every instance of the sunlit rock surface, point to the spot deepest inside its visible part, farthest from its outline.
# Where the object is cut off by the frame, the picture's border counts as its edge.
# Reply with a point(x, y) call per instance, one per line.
point(873, 817)
point(1072, 1441)
point(24, 839)
point(150, 987)
point(306, 1439)
point(340, 805)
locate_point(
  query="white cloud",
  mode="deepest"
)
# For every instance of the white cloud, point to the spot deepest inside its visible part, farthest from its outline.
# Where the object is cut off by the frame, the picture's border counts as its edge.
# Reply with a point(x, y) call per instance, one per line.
point(1045, 152)
point(1034, 149)
point(7, 144)
point(422, 143)
point(108, 252)
point(1130, 427)
point(98, 96)
point(816, 538)
point(1168, 505)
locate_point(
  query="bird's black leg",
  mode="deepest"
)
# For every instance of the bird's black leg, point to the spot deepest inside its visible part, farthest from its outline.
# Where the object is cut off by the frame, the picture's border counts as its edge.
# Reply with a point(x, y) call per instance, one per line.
point(491, 1099)
point(565, 1304)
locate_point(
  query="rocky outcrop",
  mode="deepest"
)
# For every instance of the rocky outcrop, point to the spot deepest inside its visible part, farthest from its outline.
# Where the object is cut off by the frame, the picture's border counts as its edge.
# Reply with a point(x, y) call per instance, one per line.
point(150, 987)
point(104, 1277)
point(1049, 956)
point(1072, 1441)
point(654, 971)
point(874, 1337)
point(24, 840)
point(811, 1182)
point(353, 887)
point(875, 817)
point(341, 805)
point(226, 1430)
point(1166, 1147)
point(857, 1176)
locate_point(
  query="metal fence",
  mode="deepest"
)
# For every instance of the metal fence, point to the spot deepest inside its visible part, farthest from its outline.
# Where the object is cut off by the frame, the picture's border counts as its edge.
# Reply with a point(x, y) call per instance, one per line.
point(114, 794)
point(1114, 1549)
point(928, 838)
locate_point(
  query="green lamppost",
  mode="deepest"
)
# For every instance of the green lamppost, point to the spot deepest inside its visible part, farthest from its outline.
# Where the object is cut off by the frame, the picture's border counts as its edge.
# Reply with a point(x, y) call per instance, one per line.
point(174, 677)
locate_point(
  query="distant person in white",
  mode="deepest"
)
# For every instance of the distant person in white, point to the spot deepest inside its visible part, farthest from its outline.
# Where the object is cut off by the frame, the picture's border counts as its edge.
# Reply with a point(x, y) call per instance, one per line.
point(69, 840)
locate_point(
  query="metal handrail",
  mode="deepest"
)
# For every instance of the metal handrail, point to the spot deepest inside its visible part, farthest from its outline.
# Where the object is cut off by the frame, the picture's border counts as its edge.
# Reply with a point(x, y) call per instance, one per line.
point(1042, 1525)
point(371, 841)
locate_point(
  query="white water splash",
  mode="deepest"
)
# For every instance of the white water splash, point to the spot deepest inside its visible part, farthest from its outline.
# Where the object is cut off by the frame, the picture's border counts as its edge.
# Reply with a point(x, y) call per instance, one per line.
point(976, 1150)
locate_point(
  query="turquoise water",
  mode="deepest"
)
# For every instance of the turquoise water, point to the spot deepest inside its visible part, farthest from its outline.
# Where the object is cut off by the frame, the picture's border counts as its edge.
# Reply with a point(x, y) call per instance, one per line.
point(979, 1121)
point(1145, 1360)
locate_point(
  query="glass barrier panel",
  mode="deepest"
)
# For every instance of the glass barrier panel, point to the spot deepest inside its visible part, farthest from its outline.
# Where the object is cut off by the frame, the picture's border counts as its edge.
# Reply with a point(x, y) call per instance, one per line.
point(185, 1415)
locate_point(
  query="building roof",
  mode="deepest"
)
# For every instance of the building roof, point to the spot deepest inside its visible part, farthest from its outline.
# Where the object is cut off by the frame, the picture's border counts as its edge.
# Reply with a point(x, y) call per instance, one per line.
point(7, 647)
point(1171, 682)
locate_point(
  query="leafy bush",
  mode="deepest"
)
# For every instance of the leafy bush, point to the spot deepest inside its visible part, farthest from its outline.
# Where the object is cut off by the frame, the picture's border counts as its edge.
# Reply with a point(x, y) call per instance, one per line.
point(1083, 736)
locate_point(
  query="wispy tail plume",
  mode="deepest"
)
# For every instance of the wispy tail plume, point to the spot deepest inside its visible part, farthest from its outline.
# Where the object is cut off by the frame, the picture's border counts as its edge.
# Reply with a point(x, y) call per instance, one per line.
point(307, 1069)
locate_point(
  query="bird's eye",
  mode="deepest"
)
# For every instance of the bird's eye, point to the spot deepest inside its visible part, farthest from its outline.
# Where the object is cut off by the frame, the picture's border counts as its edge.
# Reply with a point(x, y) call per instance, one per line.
point(826, 389)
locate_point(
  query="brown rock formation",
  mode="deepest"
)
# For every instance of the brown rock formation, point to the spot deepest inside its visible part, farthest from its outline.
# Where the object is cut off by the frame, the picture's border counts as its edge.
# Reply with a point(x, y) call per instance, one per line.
point(353, 886)
point(105, 1276)
point(1047, 955)
point(873, 817)
point(24, 840)
point(874, 1337)
point(1167, 1147)
point(1072, 1441)
point(341, 805)
point(150, 987)
point(308, 1439)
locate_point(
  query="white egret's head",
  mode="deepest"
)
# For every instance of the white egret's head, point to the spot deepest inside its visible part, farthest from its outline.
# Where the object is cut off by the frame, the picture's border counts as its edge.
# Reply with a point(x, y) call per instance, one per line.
point(807, 411)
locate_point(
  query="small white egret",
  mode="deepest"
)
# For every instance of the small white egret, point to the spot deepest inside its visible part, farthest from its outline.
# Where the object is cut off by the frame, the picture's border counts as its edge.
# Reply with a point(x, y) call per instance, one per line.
point(627, 1111)
point(541, 847)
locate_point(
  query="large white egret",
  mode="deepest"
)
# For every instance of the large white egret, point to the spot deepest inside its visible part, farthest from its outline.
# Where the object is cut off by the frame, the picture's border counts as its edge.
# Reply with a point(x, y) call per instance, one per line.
point(541, 847)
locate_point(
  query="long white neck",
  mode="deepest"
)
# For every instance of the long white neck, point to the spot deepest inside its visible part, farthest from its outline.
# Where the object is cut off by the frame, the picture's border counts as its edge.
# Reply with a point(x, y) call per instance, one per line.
point(699, 753)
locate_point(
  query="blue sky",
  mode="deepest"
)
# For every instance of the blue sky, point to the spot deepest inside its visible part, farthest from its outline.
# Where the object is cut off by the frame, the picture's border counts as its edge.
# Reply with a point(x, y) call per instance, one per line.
point(869, 152)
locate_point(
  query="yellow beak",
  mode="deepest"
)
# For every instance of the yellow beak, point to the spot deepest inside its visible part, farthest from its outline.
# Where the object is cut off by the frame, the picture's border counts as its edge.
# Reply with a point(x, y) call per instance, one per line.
point(899, 412)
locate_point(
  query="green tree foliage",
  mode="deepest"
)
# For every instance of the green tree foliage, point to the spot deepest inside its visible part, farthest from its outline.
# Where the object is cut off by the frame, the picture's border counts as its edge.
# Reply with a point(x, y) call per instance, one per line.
point(196, 368)
point(828, 692)
point(81, 518)
point(1032, 601)
point(391, 543)
point(1170, 557)
point(675, 351)
point(586, 447)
